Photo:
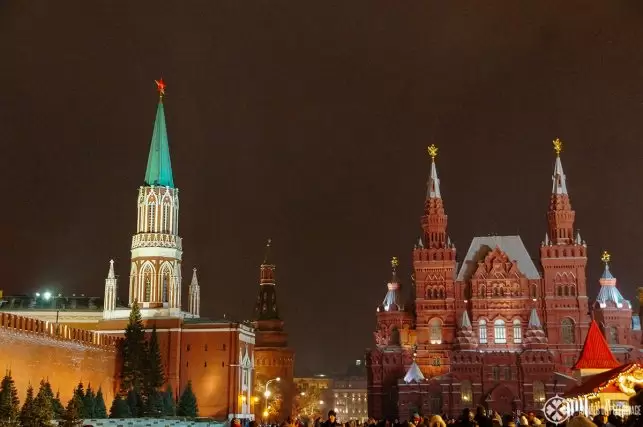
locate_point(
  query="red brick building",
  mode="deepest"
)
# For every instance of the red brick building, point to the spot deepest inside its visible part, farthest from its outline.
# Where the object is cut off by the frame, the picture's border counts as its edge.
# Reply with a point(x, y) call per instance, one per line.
point(495, 328)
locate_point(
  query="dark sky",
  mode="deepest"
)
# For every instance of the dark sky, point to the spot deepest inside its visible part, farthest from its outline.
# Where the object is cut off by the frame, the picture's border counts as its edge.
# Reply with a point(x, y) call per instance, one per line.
point(307, 122)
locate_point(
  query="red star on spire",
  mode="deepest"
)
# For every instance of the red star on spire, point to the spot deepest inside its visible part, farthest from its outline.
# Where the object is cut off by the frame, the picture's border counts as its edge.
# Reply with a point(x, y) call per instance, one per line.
point(160, 86)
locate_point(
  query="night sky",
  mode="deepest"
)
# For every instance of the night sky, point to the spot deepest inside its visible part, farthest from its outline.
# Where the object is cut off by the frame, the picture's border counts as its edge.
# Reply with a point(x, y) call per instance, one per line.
point(307, 122)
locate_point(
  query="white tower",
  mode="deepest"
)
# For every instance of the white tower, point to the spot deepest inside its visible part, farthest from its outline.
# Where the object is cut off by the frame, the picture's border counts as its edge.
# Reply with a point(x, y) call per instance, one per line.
point(155, 274)
point(111, 290)
point(194, 295)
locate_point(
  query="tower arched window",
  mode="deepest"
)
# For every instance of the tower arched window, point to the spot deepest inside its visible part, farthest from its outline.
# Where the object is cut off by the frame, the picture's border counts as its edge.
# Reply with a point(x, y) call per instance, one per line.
point(166, 218)
point(466, 391)
point(165, 277)
point(572, 290)
point(566, 291)
point(612, 335)
point(560, 291)
point(534, 291)
point(517, 331)
point(499, 332)
point(482, 331)
point(483, 291)
point(435, 331)
point(147, 283)
point(568, 331)
point(538, 389)
point(151, 217)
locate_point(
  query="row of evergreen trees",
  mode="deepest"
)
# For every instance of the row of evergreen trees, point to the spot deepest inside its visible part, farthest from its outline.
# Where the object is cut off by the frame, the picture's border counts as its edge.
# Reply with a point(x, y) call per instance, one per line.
point(40, 408)
point(143, 376)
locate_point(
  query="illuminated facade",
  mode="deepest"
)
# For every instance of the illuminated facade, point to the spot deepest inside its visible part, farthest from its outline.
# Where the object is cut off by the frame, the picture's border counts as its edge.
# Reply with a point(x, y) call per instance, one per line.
point(493, 329)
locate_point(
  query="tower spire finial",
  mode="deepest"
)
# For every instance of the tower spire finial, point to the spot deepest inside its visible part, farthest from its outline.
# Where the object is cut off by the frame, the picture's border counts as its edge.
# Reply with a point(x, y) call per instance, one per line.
point(433, 151)
point(558, 146)
point(433, 190)
point(266, 258)
point(160, 86)
point(606, 257)
point(394, 264)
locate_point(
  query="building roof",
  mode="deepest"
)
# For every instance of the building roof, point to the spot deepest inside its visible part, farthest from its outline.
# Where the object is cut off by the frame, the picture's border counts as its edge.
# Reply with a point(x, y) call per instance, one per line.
point(511, 245)
point(433, 187)
point(67, 303)
point(596, 353)
point(414, 374)
point(159, 167)
point(392, 300)
point(609, 293)
point(534, 320)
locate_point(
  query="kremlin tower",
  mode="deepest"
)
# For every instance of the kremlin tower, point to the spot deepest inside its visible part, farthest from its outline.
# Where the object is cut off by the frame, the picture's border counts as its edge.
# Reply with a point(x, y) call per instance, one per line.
point(274, 359)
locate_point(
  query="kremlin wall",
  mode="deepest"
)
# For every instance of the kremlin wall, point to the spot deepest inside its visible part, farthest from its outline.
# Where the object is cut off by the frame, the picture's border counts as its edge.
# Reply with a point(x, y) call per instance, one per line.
point(34, 350)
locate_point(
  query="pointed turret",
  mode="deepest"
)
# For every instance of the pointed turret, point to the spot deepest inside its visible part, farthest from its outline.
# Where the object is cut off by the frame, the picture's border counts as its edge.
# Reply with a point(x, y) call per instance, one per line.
point(159, 167)
point(535, 337)
point(560, 215)
point(111, 290)
point(434, 221)
point(466, 338)
point(414, 374)
point(392, 300)
point(596, 353)
point(194, 295)
point(609, 295)
point(266, 308)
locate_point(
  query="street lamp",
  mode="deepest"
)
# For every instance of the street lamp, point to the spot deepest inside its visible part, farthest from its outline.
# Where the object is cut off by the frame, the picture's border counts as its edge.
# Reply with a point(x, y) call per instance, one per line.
point(47, 295)
point(266, 394)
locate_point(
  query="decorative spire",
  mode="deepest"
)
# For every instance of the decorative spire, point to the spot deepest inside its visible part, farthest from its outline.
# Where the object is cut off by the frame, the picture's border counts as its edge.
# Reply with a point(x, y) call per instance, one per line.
point(194, 295)
point(414, 374)
point(535, 337)
point(466, 339)
point(433, 190)
point(560, 215)
point(110, 273)
point(159, 166)
point(434, 220)
point(609, 293)
point(266, 258)
point(534, 320)
point(596, 353)
point(579, 240)
point(559, 181)
point(266, 307)
point(391, 300)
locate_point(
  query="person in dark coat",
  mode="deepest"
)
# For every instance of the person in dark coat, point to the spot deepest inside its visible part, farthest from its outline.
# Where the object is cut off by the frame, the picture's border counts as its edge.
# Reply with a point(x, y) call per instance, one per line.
point(331, 421)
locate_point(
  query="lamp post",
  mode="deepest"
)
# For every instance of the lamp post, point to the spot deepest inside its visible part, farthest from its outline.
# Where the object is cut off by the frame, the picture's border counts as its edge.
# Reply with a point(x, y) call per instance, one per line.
point(266, 394)
point(47, 296)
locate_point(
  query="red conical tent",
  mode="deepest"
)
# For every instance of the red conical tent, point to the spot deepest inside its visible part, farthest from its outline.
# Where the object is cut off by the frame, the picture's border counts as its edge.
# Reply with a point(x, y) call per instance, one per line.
point(596, 352)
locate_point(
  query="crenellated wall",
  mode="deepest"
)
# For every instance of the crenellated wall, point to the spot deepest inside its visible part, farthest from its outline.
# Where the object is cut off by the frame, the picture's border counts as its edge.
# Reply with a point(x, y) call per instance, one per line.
point(36, 349)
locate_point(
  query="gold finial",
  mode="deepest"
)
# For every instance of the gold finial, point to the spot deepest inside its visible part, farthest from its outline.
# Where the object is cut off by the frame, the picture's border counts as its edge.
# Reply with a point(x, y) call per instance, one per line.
point(433, 151)
point(160, 86)
point(558, 145)
point(394, 262)
point(606, 257)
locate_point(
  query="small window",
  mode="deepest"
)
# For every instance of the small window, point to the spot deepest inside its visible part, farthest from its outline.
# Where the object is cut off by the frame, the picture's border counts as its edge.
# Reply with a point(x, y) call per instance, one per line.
point(205, 364)
point(187, 364)
point(222, 365)
point(224, 347)
point(205, 347)
point(188, 347)
point(495, 373)
point(500, 333)
point(507, 373)
point(517, 331)
point(482, 331)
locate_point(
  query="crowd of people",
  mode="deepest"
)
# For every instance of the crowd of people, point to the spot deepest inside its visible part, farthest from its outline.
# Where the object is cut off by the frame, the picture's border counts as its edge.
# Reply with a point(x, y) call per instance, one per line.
point(468, 418)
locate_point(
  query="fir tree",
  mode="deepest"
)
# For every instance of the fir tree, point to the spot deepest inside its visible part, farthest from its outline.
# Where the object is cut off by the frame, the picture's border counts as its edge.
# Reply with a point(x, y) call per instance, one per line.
point(73, 412)
point(120, 408)
point(133, 352)
point(26, 413)
point(9, 402)
point(79, 395)
point(89, 403)
point(135, 403)
point(188, 406)
point(100, 410)
point(43, 409)
point(169, 406)
point(59, 409)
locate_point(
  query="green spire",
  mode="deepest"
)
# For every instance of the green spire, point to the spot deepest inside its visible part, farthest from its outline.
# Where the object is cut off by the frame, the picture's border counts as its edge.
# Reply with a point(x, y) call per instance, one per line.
point(159, 167)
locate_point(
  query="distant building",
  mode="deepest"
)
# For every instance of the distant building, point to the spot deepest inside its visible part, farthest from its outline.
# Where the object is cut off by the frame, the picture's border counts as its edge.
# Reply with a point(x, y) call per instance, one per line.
point(350, 394)
point(494, 329)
